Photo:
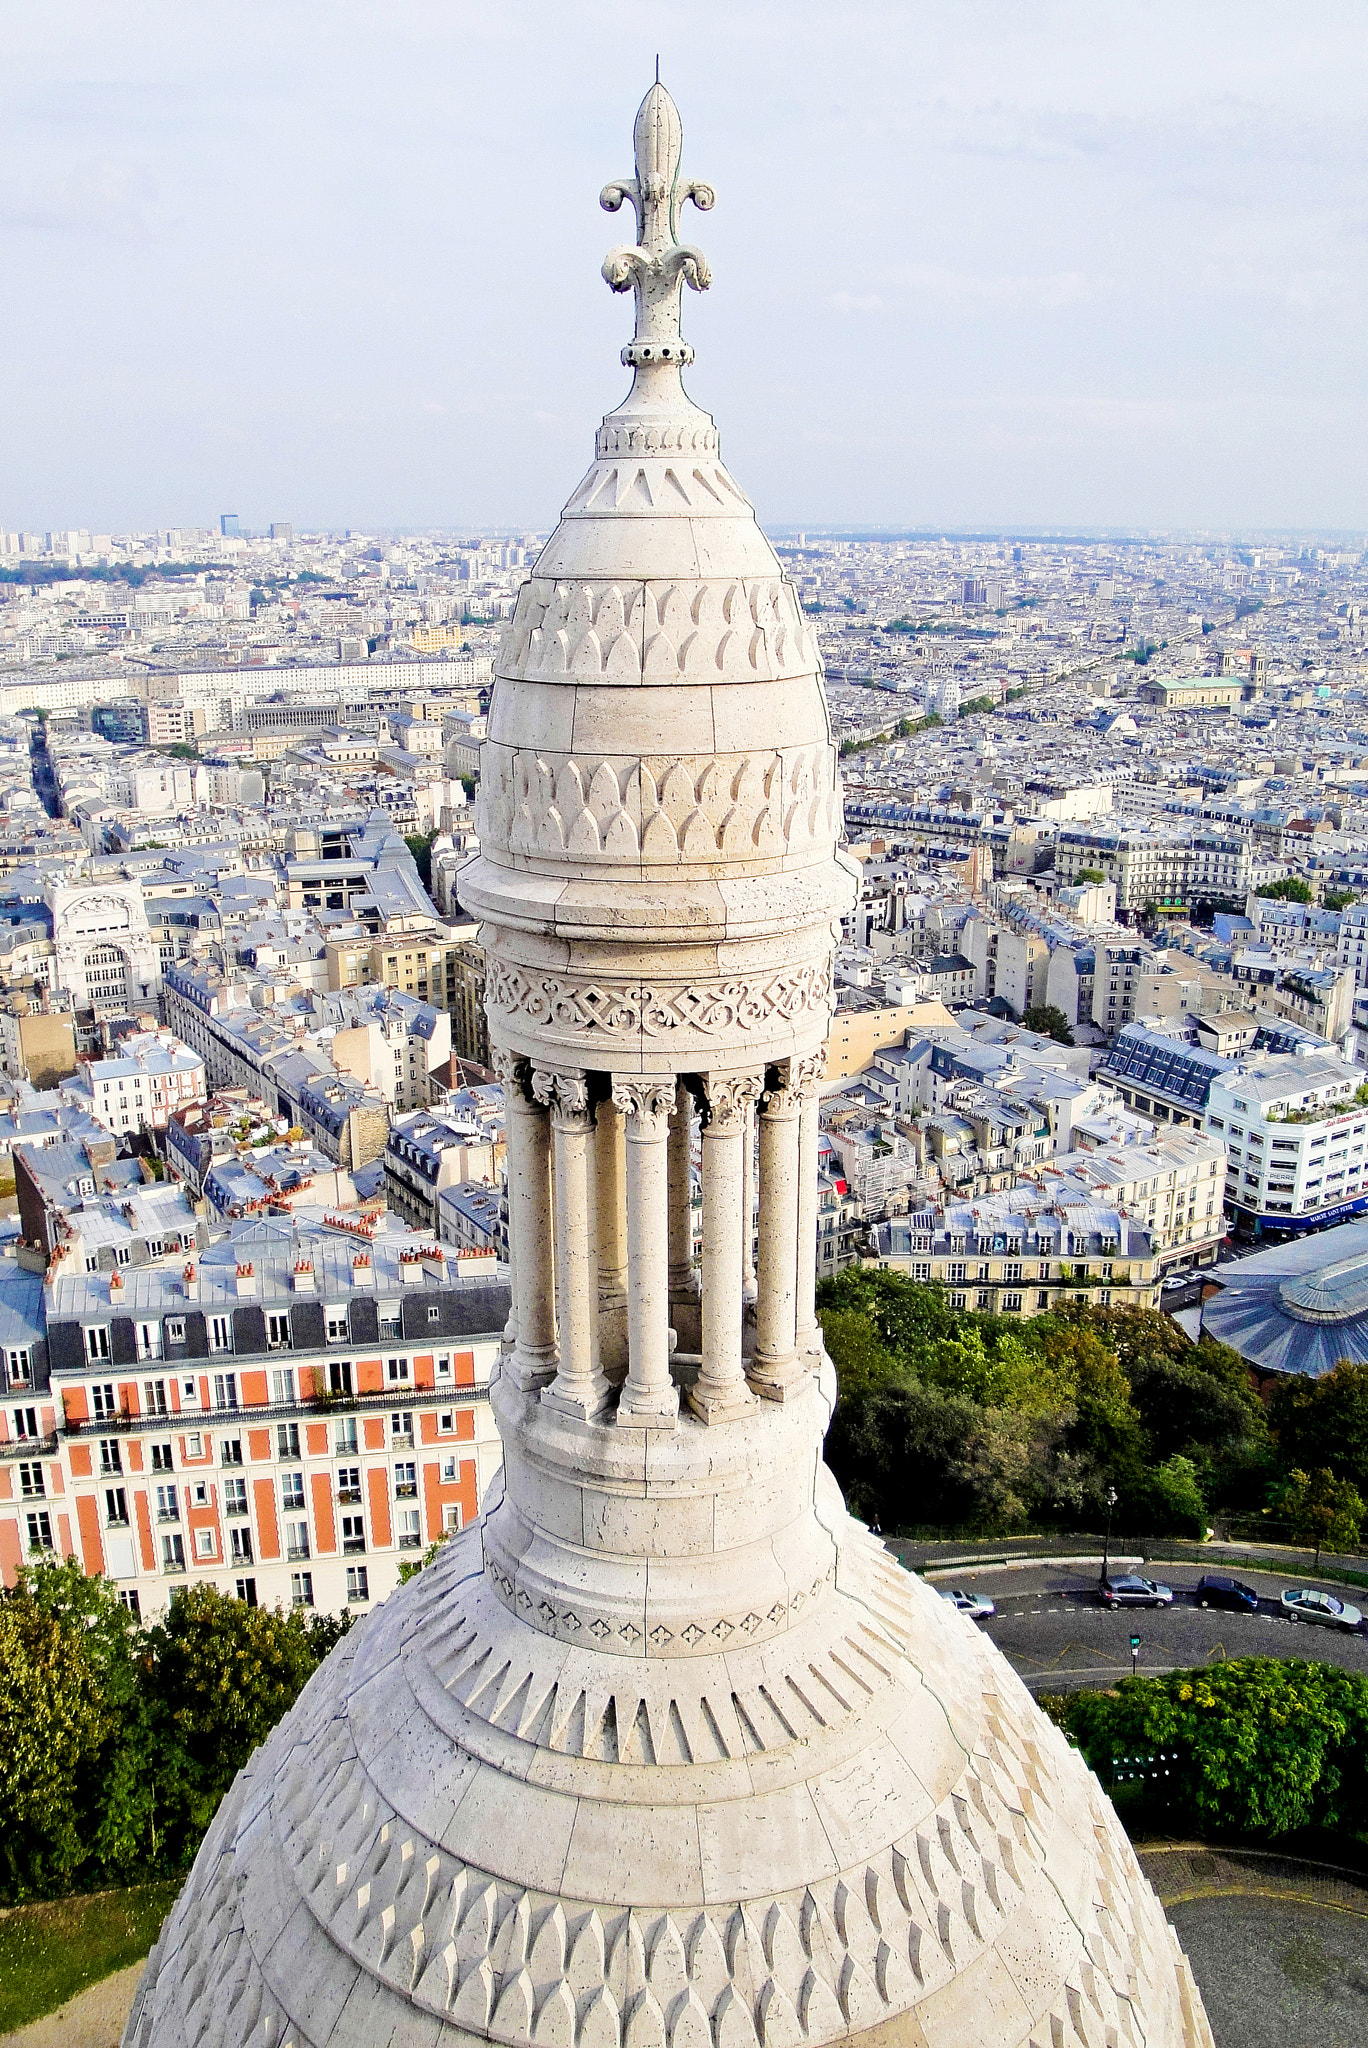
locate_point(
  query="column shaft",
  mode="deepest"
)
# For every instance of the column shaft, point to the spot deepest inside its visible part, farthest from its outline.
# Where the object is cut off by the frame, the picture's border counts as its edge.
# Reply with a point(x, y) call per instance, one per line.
point(610, 1170)
point(720, 1391)
point(809, 1336)
point(748, 1207)
point(650, 1399)
point(579, 1386)
point(529, 1209)
point(775, 1367)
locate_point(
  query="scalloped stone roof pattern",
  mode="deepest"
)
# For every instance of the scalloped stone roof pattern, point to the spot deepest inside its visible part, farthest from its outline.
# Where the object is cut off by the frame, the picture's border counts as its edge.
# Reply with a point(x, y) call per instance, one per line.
point(467, 1831)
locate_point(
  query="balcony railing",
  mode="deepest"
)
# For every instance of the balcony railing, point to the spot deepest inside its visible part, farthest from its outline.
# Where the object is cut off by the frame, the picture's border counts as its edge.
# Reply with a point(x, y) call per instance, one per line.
point(354, 1546)
point(349, 1496)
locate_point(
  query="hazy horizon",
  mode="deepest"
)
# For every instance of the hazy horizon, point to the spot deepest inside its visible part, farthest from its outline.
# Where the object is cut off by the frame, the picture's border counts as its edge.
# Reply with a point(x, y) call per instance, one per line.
point(977, 267)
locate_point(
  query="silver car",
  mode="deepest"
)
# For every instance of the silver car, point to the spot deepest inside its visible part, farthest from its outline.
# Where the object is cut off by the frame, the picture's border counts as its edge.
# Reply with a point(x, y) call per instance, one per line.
point(977, 1604)
point(1132, 1591)
point(1304, 1603)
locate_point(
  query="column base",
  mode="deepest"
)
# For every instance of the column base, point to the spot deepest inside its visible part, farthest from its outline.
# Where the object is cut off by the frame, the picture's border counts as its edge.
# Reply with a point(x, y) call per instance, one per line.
point(656, 1410)
point(777, 1379)
point(585, 1405)
point(723, 1404)
point(529, 1374)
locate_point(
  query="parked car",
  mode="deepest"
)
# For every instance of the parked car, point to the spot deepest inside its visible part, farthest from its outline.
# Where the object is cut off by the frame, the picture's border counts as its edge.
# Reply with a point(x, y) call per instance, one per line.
point(1132, 1591)
point(1304, 1603)
point(1215, 1591)
point(977, 1604)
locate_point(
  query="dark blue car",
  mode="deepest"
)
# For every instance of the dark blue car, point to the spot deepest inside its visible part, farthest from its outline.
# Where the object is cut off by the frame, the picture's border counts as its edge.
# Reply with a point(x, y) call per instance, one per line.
point(1215, 1591)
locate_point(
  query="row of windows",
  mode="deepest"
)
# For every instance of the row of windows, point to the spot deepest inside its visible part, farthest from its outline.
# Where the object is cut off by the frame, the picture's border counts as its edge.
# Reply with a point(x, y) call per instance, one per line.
point(224, 1387)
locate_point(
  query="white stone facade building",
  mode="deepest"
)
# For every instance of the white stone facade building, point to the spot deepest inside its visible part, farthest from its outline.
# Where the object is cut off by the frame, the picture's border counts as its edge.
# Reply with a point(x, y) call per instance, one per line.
point(105, 953)
point(668, 1753)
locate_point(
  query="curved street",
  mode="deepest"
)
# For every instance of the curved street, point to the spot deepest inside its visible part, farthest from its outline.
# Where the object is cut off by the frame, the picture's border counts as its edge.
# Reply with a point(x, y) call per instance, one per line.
point(1055, 1632)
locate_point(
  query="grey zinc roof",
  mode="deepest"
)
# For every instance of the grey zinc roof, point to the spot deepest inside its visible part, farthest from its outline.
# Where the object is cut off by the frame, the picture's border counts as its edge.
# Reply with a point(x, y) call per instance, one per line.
point(1298, 1308)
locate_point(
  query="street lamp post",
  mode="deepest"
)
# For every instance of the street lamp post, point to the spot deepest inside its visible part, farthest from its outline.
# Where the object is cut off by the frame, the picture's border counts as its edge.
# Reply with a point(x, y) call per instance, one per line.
point(1106, 1541)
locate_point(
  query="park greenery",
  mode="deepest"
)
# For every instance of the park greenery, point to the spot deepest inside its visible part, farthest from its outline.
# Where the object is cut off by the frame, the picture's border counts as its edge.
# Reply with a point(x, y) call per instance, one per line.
point(1049, 1020)
point(985, 1425)
point(117, 1742)
point(905, 729)
point(1259, 1747)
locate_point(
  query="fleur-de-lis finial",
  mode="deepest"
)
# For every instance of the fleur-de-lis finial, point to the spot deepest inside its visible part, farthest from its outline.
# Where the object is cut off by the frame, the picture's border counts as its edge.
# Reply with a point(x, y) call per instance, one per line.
point(660, 261)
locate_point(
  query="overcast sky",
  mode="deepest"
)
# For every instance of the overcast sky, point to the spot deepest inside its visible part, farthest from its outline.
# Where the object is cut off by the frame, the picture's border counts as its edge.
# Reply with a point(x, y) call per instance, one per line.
point(999, 263)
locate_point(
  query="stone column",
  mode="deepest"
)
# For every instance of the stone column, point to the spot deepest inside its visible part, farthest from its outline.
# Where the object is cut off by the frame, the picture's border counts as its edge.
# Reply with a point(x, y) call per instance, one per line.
point(683, 1286)
point(720, 1392)
point(506, 1065)
point(805, 1078)
point(748, 1208)
point(776, 1368)
point(528, 1134)
point(610, 1172)
point(579, 1386)
point(650, 1399)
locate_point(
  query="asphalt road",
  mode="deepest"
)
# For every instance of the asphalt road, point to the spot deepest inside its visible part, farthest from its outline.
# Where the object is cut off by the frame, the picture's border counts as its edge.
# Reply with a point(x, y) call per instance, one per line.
point(1056, 1634)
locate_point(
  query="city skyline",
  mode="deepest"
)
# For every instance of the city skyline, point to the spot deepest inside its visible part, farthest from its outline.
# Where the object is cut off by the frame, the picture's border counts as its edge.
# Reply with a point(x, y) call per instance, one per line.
point(1053, 272)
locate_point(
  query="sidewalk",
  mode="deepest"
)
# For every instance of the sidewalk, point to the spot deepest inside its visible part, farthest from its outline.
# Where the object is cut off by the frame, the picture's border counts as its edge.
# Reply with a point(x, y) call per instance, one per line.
point(95, 2018)
point(1180, 1871)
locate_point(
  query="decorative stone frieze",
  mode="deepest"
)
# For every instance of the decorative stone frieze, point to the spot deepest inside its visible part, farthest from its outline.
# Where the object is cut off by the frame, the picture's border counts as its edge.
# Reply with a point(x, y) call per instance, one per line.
point(627, 1011)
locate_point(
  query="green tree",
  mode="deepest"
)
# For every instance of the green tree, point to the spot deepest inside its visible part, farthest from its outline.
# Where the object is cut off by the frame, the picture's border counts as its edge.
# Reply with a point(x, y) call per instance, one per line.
point(1323, 1510)
point(54, 1724)
point(1090, 875)
point(1049, 1020)
point(223, 1674)
point(419, 845)
point(1261, 1746)
point(1287, 889)
point(1338, 899)
point(1324, 1422)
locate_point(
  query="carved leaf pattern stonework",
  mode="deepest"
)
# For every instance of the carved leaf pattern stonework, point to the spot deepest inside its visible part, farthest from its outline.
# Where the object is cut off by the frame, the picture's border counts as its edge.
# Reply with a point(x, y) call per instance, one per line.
point(711, 632)
point(633, 1010)
point(658, 809)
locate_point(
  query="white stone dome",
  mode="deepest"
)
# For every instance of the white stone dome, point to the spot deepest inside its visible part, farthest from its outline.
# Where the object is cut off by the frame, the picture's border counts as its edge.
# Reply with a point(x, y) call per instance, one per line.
point(667, 1752)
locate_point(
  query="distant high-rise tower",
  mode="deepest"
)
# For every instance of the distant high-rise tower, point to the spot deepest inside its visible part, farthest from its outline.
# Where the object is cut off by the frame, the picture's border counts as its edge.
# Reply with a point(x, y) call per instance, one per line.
point(281, 529)
point(667, 1752)
point(228, 525)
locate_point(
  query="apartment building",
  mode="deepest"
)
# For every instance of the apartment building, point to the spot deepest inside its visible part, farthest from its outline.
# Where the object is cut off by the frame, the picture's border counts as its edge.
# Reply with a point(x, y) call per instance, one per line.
point(1296, 1137)
point(152, 1075)
point(1173, 1183)
point(287, 1414)
point(1020, 1254)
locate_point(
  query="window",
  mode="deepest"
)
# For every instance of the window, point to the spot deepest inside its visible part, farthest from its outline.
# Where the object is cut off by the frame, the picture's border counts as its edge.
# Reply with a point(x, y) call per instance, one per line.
point(20, 1367)
point(956, 1272)
point(31, 1482)
point(446, 1422)
point(292, 1491)
point(154, 1397)
point(287, 1439)
point(25, 1423)
point(1011, 1272)
point(39, 1529)
point(353, 1533)
point(344, 1437)
point(434, 1312)
point(398, 1369)
point(190, 1393)
point(985, 1299)
point(246, 1592)
point(389, 1318)
point(175, 1329)
point(149, 1340)
point(1106, 1269)
point(128, 1597)
point(116, 1507)
point(449, 1471)
point(921, 1269)
point(161, 1458)
point(111, 1458)
point(173, 1553)
point(278, 1333)
point(958, 1300)
point(336, 1323)
point(225, 1390)
point(1042, 1299)
point(1104, 1295)
point(406, 1482)
point(97, 1341)
point(102, 1402)
point(235, 1496)
point(230, 1450)
point(296, 1539)
point(220, 1333)
point(283, 1387)
point(451, 1517)
point(410, 1529)
point(444, 1366)
point(1011, 1304)
point(983, 1272)
point(349, 1482)
point(358, 1584)
point(301, 1589)
point(401, 1430)
point(168, 1504)
point(195, 1445)
point(339, 1376)
point(240, 1538)
point(204, 1542)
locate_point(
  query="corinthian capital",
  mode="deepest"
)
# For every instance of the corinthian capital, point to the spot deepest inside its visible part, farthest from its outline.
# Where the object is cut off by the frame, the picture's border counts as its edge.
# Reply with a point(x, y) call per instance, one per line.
point(807, 1074)
point(729, 1096)
point(510, 1067)
point(645, 1102)
point(566, 1094)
